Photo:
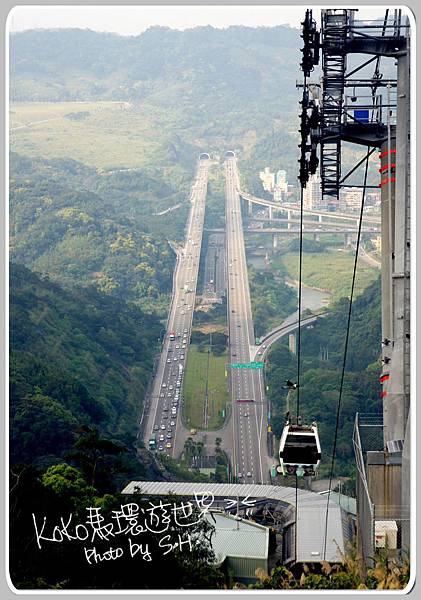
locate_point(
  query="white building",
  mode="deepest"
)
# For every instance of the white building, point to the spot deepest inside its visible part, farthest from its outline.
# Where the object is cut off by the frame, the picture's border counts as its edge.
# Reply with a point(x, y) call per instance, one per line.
point(312, 195)
point(268, 179)
point(281, 186)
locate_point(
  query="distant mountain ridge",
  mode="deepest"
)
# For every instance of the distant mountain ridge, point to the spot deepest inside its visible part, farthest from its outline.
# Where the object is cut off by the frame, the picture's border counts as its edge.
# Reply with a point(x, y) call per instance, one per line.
point(76, 64)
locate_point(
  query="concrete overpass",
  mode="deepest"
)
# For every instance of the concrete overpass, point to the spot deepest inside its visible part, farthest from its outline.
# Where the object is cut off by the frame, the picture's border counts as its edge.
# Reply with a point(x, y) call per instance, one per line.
point(295, 208)
point(349, 234)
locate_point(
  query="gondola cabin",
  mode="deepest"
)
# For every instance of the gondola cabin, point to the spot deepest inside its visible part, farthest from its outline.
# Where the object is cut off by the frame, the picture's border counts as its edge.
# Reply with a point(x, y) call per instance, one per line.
point(299, 450)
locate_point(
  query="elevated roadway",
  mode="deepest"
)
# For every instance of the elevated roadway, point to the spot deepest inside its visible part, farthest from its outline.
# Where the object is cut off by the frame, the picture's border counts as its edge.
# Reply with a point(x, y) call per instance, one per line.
point(249, 407)
point(295, 208)
point(162, 418)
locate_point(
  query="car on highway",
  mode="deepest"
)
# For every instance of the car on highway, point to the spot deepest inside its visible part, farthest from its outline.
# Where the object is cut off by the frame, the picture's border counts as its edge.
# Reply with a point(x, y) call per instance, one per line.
point(156, 427)
point(172, 423)
point(160, 447)
point(248, 474)
point(239, 475)
point(163, 426)
point(246, 414)
point(259, 352)
point(168, 445)
point(177, 347)
point(185, 331)
point(161, 437)
point(183, 312)
point(164, 384)
point(175, 358)
point(168, 436)
point(181, 356)
point(168, 360)
point(171, 387)
point(162, 395)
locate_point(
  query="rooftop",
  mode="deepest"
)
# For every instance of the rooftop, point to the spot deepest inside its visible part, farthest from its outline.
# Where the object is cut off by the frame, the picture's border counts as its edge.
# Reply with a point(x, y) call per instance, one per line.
point(311, 511)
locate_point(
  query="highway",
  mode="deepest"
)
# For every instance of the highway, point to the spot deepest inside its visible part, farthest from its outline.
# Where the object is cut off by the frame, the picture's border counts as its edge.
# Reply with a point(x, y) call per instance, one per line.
point(163, 414)
point(215, 268)
point(248, 417)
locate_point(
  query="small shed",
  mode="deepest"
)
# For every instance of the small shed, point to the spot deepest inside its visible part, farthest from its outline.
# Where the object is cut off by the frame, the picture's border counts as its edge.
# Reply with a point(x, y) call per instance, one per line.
point(241, 546)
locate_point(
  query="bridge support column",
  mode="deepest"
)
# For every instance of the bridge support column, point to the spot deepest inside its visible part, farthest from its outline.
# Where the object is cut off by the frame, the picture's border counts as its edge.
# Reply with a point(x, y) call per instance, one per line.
point(320, 218)
point(250, 207)
point(274, 241)
point(270, 213)
point(292, 342)
point(316, 237)
point(289, 213)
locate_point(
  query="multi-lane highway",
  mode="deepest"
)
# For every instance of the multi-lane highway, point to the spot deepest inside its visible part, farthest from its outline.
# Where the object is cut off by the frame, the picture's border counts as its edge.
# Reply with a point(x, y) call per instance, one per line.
point(163, 416)
point(248, 418)
point(215, 266)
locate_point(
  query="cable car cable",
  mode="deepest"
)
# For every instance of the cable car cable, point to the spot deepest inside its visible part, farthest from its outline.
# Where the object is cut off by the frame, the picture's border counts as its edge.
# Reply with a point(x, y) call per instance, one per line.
point(335, 439)
point(300, 273)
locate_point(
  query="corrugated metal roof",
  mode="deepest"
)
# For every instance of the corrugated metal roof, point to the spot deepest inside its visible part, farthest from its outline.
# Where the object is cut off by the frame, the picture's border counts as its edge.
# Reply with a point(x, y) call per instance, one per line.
point(311, 511)
point(239, 538)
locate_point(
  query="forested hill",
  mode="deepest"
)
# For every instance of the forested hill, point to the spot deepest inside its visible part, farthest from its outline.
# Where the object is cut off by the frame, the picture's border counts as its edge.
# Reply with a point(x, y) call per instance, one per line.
point(199, 65)
point(321, 361)
point(213, 88)
point(83, 228)
point(77, 358)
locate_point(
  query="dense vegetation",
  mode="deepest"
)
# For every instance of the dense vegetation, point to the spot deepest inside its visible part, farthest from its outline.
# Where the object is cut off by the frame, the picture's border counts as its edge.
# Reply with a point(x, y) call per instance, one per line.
point(322, 355)
point(79, 365)
point(271, 300)
point(184, 91)
point(77, 358)
point(387, 574)
point(67, 222)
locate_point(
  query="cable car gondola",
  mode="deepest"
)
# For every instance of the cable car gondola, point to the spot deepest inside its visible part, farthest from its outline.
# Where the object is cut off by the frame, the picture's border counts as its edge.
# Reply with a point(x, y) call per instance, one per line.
point(299, 450)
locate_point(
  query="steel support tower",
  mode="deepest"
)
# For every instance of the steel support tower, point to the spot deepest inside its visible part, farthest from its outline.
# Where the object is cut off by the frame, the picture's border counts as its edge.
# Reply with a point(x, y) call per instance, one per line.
point(372, 111)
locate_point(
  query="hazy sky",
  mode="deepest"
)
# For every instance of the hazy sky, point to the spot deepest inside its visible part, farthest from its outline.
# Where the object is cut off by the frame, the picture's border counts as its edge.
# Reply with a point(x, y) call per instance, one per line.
point(132, 20)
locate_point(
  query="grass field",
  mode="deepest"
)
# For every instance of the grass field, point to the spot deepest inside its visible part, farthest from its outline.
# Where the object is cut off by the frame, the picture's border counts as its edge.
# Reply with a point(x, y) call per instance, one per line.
point(330, 270)
point(195, 387)
point(100, 134)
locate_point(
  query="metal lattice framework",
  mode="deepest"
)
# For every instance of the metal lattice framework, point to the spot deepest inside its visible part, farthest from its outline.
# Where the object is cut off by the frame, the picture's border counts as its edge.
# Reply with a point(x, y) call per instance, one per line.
point(334, 33)
point(329, 120)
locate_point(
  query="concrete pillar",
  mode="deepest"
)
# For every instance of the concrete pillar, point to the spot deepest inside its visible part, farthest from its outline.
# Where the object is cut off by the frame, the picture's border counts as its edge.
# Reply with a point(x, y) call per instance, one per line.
point(387, 226)
point(250, 207)
point(320, 218)
point(274, 240)
point(292, 342)
point(270, 213)
point(289, 213)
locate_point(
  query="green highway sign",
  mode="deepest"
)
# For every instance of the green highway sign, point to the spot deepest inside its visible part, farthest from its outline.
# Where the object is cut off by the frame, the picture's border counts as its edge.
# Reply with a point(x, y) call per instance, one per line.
point(250, 365)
